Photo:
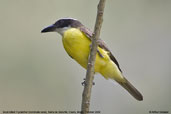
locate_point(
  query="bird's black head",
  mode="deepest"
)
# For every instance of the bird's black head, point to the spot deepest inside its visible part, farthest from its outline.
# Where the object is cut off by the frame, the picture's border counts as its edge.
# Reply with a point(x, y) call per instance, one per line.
point(67, 22)
point(62, 24)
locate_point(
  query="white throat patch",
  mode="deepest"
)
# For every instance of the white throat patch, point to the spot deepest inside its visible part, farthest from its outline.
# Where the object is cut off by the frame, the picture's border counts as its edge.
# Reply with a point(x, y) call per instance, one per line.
point(62, 30)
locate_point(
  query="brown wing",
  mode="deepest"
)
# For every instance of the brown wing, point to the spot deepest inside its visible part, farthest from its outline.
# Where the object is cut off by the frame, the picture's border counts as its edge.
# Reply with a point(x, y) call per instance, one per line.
point(101, 44)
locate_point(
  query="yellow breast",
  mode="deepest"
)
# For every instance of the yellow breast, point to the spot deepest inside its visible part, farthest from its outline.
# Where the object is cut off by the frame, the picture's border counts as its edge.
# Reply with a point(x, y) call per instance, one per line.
point(77, 45)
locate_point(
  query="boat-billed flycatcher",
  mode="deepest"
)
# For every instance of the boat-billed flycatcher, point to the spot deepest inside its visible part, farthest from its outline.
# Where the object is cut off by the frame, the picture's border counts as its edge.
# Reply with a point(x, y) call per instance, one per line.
point(77, 40)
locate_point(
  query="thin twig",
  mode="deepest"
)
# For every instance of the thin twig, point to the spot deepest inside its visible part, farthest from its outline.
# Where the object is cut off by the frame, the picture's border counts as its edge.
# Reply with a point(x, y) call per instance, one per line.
point(91, 61)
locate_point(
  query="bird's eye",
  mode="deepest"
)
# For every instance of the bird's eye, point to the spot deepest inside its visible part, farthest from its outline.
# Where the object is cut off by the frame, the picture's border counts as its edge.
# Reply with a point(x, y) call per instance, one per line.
point(62, 23)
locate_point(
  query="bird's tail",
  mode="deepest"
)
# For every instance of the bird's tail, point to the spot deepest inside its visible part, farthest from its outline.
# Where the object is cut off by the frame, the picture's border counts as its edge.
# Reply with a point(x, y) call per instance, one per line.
point(131, 89)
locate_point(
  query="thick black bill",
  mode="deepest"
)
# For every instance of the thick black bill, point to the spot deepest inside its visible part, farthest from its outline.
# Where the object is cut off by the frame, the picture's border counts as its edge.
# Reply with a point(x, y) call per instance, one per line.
point(50, 28)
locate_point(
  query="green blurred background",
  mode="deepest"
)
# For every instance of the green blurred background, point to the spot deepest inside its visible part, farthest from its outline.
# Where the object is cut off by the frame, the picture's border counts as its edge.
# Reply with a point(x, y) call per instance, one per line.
point(37, 74)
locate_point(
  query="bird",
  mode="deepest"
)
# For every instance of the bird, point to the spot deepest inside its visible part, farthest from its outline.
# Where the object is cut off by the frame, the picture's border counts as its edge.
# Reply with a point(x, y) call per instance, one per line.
point(77, 39)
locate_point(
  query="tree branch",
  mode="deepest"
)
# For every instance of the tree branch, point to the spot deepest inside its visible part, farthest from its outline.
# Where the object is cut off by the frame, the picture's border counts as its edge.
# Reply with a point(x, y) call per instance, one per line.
point(91, 61)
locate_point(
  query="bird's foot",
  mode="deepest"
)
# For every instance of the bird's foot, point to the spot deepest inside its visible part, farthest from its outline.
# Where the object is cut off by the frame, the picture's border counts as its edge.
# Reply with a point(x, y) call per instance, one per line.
point(84, 82)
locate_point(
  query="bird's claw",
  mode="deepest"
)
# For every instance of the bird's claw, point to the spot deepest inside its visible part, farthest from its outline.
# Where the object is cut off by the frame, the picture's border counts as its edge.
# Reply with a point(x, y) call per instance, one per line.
point(84, 82)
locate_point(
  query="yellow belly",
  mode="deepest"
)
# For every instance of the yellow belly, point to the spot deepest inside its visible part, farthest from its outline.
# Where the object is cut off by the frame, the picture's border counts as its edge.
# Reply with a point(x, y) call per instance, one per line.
point(77, 45)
